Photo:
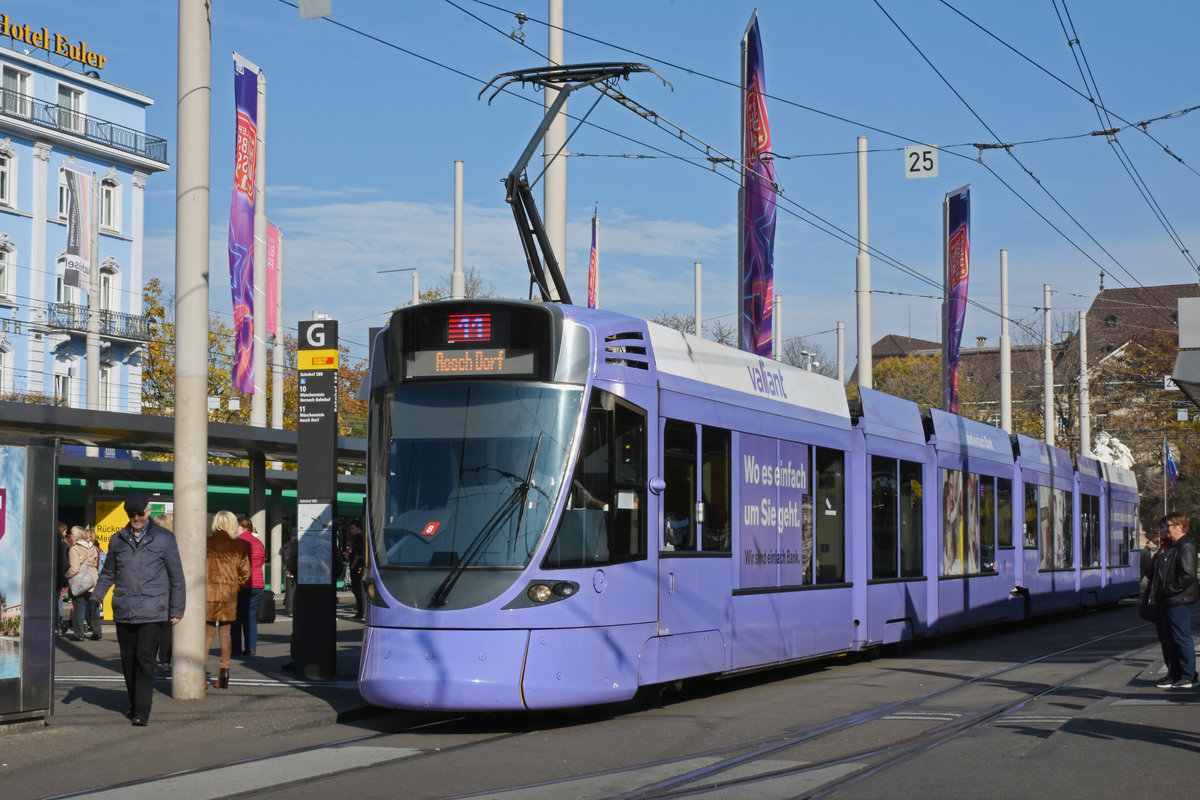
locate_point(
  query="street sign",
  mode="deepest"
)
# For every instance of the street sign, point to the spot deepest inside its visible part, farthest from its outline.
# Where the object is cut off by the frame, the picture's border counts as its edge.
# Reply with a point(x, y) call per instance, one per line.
point(921, 161)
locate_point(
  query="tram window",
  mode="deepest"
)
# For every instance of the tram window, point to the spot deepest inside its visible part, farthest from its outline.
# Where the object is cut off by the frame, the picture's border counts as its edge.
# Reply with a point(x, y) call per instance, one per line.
point(884, 513)
point(603, 522)
point(628, 540)
point(679, 496)
point(987, 523)
point(1031, 516)
point(1121, 527)
point(1045, 529)
point(830, 502)
point(911, 520)
point(973, 537)
point(716, 492)
point(1064, 554)
point(1004, 519)
point(952, 522)
point(1089, 530)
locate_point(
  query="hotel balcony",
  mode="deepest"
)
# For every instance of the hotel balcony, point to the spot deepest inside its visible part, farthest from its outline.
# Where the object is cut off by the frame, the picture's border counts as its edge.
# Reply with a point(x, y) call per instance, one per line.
point(113, 324)
point(54, 117)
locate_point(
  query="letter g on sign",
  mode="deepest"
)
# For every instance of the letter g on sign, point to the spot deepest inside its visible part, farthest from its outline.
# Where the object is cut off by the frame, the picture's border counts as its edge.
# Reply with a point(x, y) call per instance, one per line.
point(315, 336)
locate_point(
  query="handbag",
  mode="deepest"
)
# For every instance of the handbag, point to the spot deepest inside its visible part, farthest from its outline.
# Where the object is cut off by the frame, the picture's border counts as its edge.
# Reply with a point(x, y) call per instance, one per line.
point(1150, 609)
point(81, 582)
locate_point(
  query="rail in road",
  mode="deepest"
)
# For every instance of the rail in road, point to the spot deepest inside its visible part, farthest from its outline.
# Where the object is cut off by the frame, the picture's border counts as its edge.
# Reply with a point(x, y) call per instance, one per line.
point(974, 713)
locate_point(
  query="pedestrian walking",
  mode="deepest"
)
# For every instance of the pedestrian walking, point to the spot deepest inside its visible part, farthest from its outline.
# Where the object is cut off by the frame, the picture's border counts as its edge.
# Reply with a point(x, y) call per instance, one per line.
point(228, 569)
point(145, 573)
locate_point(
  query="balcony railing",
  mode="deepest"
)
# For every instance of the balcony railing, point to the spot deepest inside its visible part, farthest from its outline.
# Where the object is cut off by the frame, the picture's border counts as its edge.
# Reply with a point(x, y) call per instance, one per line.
point(54, 117)
point(69, 316)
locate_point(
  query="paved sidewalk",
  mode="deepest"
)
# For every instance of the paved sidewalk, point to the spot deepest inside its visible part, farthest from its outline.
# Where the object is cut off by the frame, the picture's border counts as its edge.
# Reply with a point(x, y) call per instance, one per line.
point(88, 741)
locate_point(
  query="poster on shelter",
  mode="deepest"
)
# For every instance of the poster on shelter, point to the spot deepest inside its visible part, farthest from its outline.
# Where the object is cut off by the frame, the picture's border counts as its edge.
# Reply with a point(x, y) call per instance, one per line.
point(12, 558)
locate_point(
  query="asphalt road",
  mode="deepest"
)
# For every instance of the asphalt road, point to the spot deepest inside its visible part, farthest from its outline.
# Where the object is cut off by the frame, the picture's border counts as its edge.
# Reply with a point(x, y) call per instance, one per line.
point(1064, 707)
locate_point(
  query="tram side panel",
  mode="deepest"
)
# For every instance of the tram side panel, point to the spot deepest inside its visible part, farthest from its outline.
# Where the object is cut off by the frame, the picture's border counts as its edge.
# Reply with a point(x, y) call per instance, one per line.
point(898, 513)
point(1122, 532)
point(793, 596)
point(1050, 568)
point(1089, 541)
point(974, 482)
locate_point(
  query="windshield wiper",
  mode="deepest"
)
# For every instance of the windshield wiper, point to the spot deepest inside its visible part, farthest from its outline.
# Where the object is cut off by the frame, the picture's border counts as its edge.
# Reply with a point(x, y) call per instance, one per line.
point(515, 500)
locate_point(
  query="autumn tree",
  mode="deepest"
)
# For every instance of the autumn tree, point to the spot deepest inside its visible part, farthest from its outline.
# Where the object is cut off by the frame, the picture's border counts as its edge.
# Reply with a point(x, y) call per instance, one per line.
point(798, 350)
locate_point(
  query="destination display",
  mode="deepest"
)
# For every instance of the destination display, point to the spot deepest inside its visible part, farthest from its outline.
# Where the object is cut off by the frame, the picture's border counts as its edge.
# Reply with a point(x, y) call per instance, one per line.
point(475, 362)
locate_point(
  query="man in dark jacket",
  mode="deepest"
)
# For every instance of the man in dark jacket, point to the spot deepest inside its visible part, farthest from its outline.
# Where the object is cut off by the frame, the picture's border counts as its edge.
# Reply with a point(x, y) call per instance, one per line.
point(146, 574)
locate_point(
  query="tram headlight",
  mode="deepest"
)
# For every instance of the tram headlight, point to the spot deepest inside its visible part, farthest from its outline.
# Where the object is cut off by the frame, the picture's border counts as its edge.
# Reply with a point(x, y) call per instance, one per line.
point(541, 592)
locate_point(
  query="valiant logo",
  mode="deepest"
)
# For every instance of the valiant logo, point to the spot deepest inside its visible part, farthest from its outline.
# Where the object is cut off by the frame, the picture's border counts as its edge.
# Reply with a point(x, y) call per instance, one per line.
point(767, 382)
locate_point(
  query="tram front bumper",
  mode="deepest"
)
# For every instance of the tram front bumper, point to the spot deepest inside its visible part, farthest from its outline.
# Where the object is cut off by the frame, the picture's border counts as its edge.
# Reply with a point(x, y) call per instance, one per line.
point(453, 670)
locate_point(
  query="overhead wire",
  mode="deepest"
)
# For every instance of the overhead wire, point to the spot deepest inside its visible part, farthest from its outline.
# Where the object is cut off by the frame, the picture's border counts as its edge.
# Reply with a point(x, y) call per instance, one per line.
point(889, 133)
point(1104, 117)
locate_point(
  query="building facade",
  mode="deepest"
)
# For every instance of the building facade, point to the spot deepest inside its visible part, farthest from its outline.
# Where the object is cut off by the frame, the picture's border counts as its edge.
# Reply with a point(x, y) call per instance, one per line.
point(55, 108)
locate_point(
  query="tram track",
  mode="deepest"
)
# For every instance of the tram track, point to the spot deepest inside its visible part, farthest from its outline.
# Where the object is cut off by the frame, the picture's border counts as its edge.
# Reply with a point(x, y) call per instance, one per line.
point(770, 766)
point(882, 757)
point(750, 763)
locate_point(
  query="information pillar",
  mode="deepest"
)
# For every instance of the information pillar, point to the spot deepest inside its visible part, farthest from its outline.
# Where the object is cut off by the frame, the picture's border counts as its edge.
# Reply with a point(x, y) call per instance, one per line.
point(314, 620)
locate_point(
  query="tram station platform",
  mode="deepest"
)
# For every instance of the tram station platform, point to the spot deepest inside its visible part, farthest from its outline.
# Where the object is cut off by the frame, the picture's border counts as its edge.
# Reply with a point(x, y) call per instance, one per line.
point(89, 704)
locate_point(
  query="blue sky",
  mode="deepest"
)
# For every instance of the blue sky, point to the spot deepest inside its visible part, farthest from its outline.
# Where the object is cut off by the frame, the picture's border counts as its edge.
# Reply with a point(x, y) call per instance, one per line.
point(363, 129)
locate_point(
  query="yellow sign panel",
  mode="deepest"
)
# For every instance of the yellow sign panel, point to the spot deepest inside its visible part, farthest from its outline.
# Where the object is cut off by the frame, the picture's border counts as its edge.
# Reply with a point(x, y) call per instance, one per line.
point(317, 359)
point(110, 518)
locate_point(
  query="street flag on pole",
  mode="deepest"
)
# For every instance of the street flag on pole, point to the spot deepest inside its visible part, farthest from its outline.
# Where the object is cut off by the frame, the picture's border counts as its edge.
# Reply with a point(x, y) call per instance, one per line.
point(956, 217)
point(272, 280)
point(594, 265)
point(241, 223)
point(78, 259)
point(757, 222)
point(1172, 467)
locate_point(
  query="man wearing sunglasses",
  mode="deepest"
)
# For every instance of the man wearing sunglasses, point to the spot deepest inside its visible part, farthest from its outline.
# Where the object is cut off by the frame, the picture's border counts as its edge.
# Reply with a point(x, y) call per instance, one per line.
point(146, 574)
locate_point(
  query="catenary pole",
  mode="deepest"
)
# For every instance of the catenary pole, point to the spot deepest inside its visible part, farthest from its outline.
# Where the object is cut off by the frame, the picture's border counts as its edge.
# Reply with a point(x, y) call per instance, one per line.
point(1005, 349)
point(1047, 369)
point(258, 401)
point(554, 197)
point(863, 267)
point(192, 190)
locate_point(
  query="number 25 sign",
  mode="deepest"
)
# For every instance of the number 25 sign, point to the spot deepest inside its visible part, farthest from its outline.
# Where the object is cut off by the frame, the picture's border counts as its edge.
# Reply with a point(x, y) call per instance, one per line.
point(920, 161)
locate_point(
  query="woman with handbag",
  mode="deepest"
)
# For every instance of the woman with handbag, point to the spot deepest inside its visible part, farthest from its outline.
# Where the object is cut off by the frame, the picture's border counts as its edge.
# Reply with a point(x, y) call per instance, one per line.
point(83, 570)
point(1174, 589)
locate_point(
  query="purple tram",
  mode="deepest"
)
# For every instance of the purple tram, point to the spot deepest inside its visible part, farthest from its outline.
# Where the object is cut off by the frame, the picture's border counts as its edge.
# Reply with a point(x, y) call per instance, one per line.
point(566, 504)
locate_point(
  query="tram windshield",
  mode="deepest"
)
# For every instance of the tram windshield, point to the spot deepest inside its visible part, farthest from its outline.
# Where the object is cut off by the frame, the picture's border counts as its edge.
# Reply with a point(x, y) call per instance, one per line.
point(471, 472)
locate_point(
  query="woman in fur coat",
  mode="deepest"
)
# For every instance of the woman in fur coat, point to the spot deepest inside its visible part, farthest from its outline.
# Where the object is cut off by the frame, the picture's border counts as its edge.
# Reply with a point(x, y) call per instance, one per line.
point(227, 569)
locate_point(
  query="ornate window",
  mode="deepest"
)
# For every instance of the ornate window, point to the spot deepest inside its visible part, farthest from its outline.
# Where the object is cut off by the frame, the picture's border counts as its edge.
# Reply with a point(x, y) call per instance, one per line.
point(8, 173)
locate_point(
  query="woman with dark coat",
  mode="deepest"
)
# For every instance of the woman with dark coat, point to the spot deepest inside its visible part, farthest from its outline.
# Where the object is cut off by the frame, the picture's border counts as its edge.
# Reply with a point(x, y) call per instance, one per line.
point(1174, 589)
point(227, 569)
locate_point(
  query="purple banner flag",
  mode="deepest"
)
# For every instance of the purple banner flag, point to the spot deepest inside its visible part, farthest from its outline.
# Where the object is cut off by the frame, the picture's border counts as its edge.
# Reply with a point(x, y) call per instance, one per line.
point(958, 269)
point(241, 225)
point(758, 203)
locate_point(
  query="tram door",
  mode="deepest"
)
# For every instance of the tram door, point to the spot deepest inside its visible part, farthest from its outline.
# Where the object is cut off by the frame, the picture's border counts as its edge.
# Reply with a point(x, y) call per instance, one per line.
point(694, 588)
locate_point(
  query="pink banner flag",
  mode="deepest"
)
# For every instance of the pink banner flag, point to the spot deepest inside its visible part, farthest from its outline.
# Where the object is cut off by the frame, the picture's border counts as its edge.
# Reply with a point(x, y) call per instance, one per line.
point(594, 266)
point(272, 280)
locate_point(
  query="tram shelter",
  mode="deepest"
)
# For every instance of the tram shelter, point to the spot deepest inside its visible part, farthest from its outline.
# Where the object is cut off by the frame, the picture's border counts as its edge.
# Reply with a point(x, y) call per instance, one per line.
point(124, 433)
